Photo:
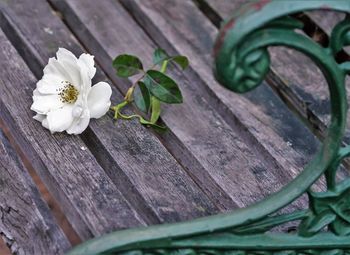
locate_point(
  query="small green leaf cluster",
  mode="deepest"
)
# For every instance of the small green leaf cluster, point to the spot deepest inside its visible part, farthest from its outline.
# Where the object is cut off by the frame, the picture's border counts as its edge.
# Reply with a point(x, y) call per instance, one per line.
point(151, 89)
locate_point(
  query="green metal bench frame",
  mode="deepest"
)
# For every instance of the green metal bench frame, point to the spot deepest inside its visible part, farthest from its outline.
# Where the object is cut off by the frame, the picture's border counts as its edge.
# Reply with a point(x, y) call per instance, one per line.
point(241, 63)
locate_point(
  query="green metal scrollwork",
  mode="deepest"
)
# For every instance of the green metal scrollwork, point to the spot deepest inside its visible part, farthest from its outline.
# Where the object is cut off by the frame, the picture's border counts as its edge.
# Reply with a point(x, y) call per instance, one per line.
point(241, 63)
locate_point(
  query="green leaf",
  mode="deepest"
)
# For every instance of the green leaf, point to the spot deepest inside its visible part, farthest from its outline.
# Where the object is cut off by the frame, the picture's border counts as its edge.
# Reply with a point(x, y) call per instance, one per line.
point(163, 87)
point(127, 65)
point(142, 97)
point(182, 61)
point(159, 56)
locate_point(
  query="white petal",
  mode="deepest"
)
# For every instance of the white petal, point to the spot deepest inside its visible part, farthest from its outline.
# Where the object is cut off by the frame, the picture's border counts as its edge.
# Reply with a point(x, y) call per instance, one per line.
point(88, 61)
point(77, 111)
point(45, 124)
point(85, 81)
point(50, 84)
point(60, 119)
point(70, 63)
point(39, 117)
point(37, 93)
point(54, 67)
point(65, 67)
point(79, 124)
point(65, 55)
point(99, 99)
point(44, 103)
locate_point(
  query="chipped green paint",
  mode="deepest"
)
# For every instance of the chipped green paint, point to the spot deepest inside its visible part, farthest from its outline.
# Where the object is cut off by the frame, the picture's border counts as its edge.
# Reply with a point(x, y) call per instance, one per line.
point(241, 63)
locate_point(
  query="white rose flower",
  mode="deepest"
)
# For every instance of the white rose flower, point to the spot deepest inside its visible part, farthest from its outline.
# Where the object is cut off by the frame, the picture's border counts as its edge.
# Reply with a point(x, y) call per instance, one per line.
point(64, 99)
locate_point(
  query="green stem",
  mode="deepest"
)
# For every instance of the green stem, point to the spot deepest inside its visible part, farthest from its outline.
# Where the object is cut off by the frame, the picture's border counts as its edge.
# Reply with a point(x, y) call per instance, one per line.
point(155, 105)
point(118, 107)
point(164, 66)
point(141, 119)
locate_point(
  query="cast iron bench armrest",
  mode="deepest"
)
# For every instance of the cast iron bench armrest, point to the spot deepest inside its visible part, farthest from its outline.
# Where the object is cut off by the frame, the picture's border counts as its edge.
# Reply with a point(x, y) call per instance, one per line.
point(241, 63)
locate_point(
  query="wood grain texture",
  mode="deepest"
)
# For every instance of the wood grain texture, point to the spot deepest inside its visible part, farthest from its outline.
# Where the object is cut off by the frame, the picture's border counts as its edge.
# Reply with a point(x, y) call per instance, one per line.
point(54, 206)
point(26, 223)
point(278, 137)
point(122, 45)
point(90, 200)
point(152, 181)
point(229, 154)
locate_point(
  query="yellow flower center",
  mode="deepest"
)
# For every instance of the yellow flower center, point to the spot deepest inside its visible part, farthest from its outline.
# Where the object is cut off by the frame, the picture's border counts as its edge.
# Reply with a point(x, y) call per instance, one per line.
point(68, 93)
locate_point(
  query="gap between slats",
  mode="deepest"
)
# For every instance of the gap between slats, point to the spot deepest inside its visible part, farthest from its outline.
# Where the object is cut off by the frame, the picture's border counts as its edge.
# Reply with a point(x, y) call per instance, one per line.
point(54, 207)
point(76, 22)
point(173, 144)
point(103, 160)
point(4, 250)
point(87, 138)
point(85, 230)
point(23, 208)
point(170, 141)
point(33, 62)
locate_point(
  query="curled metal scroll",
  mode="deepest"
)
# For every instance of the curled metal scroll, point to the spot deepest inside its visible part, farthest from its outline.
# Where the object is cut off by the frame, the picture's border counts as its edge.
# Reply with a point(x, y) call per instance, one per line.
point(241, 63)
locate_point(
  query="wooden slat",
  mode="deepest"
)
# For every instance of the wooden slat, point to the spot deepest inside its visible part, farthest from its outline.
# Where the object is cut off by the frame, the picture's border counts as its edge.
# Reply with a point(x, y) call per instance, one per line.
point(192, 34)
point(280, 137)
point(236, 159)
point(299, 73)
point(135, 160)
point(26, 223)
point(90, 200)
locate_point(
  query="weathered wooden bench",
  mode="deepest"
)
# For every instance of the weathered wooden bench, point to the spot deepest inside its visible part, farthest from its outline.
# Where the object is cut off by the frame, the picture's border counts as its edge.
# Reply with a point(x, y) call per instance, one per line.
point(223, 151)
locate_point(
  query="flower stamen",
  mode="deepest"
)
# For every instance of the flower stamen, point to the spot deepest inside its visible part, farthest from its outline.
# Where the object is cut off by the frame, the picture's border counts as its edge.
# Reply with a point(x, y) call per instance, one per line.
point(68, 93)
